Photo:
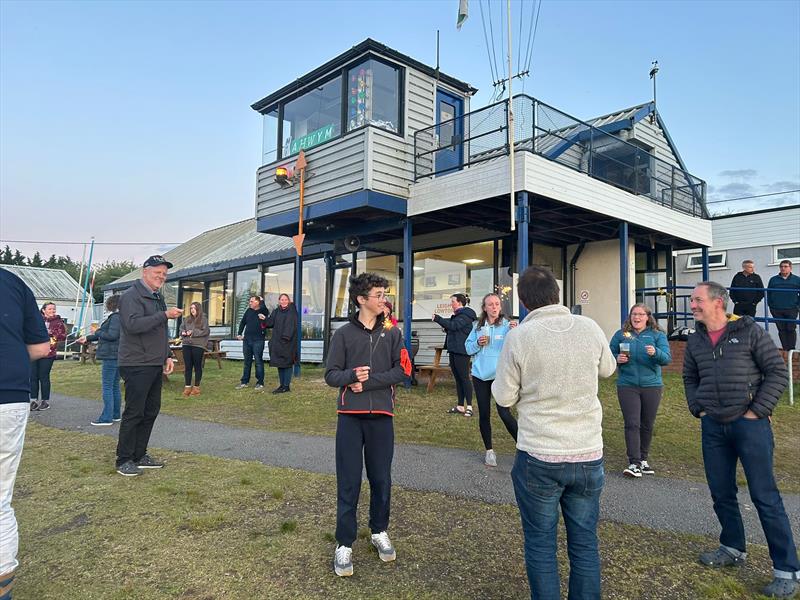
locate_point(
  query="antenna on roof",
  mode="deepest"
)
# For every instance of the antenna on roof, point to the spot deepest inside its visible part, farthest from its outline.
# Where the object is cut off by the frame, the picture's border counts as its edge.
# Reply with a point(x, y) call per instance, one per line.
point(437, 55)
point(653, 72)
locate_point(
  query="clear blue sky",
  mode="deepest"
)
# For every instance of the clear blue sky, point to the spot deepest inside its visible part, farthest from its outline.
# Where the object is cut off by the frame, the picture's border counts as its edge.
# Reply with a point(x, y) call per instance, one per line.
point(131, 121)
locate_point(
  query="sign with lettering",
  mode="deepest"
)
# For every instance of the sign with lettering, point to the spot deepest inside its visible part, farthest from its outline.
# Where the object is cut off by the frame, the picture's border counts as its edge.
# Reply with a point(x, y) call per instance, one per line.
point(323, 134)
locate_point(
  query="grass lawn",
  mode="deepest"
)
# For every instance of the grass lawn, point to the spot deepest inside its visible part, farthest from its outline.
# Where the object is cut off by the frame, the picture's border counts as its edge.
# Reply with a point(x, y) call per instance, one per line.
point(208, 528)
point(421, 417)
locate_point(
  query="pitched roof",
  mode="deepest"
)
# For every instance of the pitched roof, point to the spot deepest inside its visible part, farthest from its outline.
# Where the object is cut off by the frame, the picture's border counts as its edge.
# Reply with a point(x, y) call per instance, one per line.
point(237, 244)
point(47, 284)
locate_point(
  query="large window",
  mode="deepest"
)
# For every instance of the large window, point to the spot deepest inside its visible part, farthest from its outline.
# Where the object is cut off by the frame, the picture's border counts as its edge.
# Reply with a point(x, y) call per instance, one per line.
point(269, 148)
point(438, 274)
point(373, 96)
point(313, 299)
point(789, 252)
point(313, 118)
point(716, 260)
point(216, 304)
point(278, 279)
point(248, 284)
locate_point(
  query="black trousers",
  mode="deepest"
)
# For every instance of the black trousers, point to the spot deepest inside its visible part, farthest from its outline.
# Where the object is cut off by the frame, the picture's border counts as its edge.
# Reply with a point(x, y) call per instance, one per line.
point(361, 440)
point(743, 309)
point(787, 332)
point(193, 359)
point(639, 407)
point(483, 394)
point(142, 404)
point(40, 378)
point(459, 365)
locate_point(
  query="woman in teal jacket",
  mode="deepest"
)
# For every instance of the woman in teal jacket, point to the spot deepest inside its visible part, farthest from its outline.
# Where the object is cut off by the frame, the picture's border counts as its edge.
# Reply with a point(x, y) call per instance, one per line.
point(484, 343)
point(641, 349)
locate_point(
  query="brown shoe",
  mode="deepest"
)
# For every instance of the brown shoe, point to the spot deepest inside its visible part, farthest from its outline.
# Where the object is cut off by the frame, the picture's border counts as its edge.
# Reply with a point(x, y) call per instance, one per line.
point(187, 391)
point(195, 390)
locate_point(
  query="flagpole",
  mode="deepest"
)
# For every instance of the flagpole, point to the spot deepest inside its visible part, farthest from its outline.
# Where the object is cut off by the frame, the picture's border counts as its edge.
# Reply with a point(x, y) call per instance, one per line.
point(85, 287)
point(510, 122)
point(75, 325)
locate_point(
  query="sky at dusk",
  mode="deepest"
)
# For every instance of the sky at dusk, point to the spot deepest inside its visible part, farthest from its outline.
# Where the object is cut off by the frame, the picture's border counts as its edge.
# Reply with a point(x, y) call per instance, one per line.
point(131, 121)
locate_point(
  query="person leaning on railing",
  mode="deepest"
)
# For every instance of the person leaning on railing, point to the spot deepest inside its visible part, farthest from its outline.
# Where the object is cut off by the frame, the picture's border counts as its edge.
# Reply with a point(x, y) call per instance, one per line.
point(785, 304)
point(746, 300)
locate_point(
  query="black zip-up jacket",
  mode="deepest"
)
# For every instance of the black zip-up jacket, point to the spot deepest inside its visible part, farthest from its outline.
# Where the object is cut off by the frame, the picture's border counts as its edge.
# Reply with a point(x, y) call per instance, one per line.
point(143, 340)
point(743, 371)
point(749, 296)
point(353, 345)
point(458, 328)
point(251, 324)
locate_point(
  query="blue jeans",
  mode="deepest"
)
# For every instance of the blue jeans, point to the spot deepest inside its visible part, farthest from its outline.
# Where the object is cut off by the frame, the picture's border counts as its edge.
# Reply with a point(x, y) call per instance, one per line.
point(112, 397)
point(749, 441)
point(540, 489)
point(253, 349)
point(285, 376)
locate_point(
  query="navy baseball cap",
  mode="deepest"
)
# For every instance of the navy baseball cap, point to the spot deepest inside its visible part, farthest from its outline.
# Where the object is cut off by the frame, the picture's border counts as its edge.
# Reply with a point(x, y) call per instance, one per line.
point(156, 260)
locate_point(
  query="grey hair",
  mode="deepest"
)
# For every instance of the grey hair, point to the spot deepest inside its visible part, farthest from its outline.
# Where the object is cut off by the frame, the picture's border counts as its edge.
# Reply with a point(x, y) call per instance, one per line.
point(716, 290)
point(747, 262)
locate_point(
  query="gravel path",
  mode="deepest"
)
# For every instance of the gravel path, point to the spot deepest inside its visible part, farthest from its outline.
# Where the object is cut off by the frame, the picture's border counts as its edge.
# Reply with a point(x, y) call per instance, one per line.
point(659, 503)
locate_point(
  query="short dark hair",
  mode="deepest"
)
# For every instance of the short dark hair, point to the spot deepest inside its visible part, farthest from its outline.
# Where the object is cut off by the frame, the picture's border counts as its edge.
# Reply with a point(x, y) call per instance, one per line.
point(537, 287)
point(785, 261)
point(112, 302)
point(360, 285)
point(463, 299)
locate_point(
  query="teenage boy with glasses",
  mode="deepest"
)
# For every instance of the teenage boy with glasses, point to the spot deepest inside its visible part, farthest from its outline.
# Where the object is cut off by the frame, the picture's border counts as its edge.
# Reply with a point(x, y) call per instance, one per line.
point(366, 360)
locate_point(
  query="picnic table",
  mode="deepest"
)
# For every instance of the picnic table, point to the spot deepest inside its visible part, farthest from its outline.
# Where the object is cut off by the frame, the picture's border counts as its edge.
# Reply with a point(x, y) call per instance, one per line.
point(212, 351)
point(434, 370)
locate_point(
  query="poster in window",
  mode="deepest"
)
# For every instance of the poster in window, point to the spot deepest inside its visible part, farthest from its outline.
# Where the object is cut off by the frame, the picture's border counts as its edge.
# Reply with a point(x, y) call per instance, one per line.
point(430, 281)
point(454, 279)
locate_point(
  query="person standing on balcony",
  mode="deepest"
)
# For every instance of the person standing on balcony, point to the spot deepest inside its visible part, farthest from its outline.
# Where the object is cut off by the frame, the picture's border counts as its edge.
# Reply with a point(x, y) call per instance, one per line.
point(194, 340)
point(733, 376)
point(107, 338)
point(144, 356)
point(252, 329)
point(458, 328)
point(746, 300)
point(484, 343)
point(40, 369)
point(785, 304)
point(641, 349)
point(283, 341)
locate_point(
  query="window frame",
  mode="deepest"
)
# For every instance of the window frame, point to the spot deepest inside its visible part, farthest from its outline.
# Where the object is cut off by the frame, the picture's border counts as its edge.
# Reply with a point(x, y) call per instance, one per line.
point(722, 264)
point(776, 260)
point(343, 73)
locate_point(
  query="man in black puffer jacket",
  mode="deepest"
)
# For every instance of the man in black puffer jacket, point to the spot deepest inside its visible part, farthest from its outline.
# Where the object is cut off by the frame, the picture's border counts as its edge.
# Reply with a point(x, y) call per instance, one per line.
point(734, 375)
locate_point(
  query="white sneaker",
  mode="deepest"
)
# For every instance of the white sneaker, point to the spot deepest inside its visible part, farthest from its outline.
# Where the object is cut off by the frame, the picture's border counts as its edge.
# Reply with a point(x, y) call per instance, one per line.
point(633, 470)
point(646, 468)
point(491, 458)
point(343, 561)
point(384, 545)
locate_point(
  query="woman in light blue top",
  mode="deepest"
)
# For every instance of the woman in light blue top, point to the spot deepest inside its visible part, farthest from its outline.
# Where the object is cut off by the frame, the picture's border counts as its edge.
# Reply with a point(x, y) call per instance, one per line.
point(484, 343)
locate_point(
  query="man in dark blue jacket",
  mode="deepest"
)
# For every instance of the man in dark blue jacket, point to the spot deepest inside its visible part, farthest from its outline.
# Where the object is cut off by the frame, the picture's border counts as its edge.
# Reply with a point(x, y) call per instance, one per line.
point(253, 326)
point(733, 376)
point(366, 359)
point(784, 303)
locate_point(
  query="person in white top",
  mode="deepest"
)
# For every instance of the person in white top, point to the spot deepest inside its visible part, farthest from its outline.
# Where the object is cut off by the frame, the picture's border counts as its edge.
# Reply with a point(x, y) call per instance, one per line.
point(548, 369)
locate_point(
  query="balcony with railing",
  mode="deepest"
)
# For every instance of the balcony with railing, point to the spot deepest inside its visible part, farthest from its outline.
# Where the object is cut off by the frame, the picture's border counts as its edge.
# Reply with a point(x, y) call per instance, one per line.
point(482, 135)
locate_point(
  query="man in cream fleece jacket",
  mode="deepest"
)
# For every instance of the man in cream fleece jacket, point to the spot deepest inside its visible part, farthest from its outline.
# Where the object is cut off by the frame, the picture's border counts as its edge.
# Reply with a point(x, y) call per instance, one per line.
point(548, 368)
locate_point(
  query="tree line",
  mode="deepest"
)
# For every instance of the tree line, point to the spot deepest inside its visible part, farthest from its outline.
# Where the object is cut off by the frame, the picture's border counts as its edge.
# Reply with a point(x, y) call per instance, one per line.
point(104, 272)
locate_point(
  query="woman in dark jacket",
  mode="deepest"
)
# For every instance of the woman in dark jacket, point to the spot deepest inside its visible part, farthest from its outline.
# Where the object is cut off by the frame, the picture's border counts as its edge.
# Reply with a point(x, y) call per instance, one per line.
point(458, 328)
point(107, 338)
point(283, 342)
point(40, 369)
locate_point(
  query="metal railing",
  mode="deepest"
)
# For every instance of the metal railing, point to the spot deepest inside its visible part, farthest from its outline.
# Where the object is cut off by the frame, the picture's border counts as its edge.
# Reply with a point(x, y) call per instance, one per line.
point(539, 128)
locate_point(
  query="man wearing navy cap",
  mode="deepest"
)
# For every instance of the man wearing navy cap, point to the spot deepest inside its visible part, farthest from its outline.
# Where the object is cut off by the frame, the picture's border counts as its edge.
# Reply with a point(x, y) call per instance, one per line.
point(144, 355)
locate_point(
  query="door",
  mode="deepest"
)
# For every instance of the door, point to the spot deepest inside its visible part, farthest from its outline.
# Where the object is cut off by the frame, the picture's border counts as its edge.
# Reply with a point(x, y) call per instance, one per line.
point(449, 132)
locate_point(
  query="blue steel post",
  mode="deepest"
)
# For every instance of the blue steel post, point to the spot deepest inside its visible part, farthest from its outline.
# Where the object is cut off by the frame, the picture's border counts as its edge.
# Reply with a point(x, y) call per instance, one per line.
point(298, 304)
point(408, 284)
point(705, 263)
point(623, 271)
point(523, 260)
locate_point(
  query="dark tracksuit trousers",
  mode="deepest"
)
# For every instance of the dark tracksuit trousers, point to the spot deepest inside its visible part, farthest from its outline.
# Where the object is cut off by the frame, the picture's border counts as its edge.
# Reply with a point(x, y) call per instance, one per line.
point(639, 408)
point(142, 404)
point(360, 440)
point(40, 377)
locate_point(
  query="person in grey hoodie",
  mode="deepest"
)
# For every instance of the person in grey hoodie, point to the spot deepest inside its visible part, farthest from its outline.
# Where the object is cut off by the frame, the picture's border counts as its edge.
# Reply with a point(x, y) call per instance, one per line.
point(144, 355)
point(366, 360)
point(107, 338)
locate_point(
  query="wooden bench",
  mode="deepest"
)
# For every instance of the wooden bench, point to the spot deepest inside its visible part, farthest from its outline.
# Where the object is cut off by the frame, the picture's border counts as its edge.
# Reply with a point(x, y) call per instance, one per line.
point(213, 352)
point(434, 370)
point(88, 352)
